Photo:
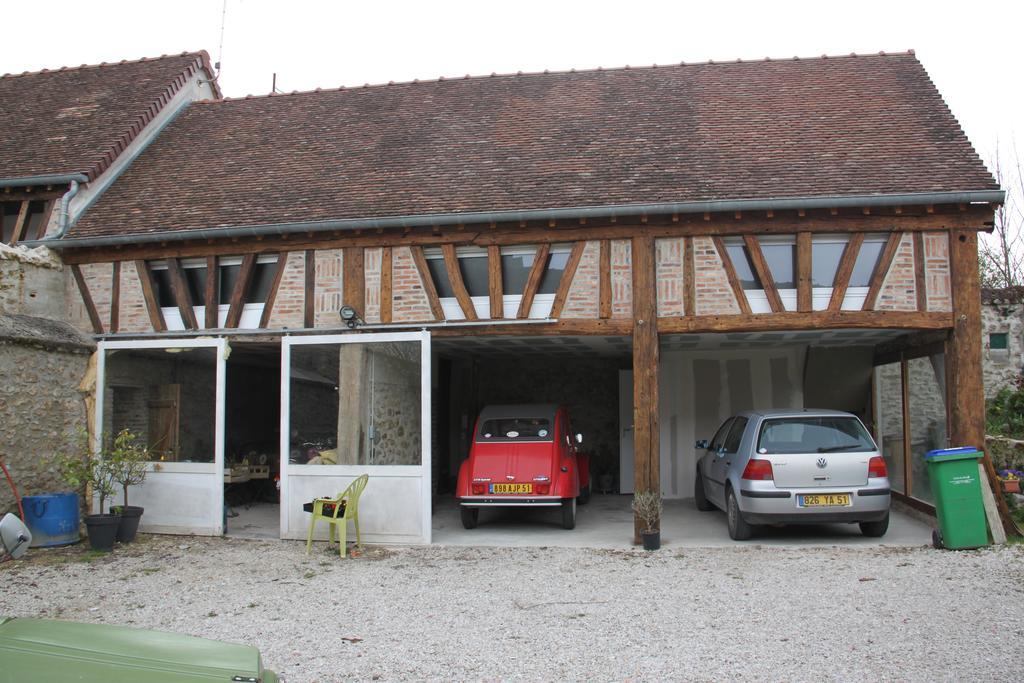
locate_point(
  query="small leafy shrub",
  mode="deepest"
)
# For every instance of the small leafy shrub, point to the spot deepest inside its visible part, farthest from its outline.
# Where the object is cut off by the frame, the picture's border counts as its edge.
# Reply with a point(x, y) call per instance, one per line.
point(1004, 413)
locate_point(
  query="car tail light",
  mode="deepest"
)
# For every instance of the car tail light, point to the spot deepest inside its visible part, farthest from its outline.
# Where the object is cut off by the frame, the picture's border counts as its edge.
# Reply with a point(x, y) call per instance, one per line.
point(877, 468)
point(542, 489)
point(758, 470)
point(478, 489)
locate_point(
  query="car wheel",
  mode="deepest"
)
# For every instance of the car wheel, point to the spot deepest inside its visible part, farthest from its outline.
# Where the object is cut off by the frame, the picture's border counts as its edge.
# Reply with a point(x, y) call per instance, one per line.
point(568, 513)
point(470, 517)
point(584, 496)
point(875, 529)
point(739, 530)
point(699, 496)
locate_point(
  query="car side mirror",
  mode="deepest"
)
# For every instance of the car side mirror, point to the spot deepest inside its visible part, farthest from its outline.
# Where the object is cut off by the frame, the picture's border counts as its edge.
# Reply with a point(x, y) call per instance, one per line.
point(579, 438)
point(702, 444)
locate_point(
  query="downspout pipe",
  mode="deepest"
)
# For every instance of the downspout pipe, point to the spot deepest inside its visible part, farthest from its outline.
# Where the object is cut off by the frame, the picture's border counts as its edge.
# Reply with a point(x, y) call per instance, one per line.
point(485, 217)
point(63, 222)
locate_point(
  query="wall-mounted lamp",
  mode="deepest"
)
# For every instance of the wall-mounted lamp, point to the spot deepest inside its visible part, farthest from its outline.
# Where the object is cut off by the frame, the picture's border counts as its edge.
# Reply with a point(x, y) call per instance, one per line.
point(350, 317)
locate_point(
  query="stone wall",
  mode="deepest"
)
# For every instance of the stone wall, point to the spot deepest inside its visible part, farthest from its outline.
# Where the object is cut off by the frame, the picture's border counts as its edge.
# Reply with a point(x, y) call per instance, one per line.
point(31, 282)
point(289, 305)
point(41, 411)
point(1000, 367)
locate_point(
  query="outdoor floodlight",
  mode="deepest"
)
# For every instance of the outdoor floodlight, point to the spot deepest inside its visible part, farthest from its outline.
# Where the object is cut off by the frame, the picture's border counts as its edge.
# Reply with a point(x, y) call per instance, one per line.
point(350, 317)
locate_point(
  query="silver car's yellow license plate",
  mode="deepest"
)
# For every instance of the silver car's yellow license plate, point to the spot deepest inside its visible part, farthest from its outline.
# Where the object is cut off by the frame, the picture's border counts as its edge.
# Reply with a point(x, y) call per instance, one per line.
point(823, 500)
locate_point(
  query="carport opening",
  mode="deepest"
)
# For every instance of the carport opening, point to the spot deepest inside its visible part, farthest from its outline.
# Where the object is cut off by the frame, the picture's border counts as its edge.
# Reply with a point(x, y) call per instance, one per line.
point(703, 379)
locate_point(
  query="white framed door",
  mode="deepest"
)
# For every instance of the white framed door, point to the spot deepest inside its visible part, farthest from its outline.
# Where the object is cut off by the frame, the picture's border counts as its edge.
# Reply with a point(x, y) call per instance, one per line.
point(354, 404)
point(170, 393)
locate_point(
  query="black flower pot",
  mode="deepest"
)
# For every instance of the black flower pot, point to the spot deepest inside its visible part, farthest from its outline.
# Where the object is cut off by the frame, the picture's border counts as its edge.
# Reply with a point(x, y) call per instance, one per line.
point(102, 531)
point(129, 526)
point(652, 539)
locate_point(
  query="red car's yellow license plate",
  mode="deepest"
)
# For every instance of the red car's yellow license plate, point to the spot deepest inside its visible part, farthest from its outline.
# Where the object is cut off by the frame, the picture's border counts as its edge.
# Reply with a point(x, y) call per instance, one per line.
point(823, 500)
point(511, 488)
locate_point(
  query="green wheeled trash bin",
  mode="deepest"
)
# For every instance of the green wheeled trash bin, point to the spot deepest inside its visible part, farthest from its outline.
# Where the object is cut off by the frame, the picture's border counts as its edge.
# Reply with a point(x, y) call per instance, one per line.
point(958, 504)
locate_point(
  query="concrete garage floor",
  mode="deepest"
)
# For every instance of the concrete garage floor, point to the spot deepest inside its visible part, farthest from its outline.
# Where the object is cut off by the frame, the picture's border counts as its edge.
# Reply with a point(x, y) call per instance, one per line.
point(607, 522)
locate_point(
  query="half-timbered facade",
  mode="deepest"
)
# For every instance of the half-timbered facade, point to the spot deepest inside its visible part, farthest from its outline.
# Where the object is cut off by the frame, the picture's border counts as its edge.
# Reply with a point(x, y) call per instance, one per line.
point(715, 236)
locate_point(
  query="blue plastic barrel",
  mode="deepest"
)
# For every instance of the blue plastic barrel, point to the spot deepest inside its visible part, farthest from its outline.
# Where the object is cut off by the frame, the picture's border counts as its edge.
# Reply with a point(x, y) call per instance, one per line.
point(52, 518)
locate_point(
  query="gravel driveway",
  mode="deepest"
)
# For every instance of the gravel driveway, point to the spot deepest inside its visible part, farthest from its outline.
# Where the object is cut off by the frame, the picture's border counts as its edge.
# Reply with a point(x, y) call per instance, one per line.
point(750, 613)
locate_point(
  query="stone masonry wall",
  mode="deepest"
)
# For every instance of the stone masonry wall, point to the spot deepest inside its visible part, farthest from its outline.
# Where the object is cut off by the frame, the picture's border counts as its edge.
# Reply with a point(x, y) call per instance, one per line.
point(583, 300)
point(1000, 367)
point(41, 412)
point(327, 281)
point(622, 278)
point(31, 282)
point(714, 295)
point(408, 298)
point(899, 291)
point(670, 273)
point(936, 268)
point(289, 304)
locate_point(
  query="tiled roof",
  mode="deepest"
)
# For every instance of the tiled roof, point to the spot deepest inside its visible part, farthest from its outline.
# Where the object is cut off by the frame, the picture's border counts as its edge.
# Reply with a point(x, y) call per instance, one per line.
point(854, 125)
point(1002, 295)
point(77, 120)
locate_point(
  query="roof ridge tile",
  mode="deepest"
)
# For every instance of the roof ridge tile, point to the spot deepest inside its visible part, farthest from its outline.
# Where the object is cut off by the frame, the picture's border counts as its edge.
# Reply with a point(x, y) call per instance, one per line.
point(140, 60)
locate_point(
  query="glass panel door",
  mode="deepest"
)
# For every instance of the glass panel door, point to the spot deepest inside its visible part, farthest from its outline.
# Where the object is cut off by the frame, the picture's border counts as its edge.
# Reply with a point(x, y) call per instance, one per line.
point(170, 395)
point(358, 404)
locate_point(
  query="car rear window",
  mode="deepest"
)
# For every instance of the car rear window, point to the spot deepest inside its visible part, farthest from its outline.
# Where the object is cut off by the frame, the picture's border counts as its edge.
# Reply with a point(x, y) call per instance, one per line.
point(827, 434)
point(516, 429)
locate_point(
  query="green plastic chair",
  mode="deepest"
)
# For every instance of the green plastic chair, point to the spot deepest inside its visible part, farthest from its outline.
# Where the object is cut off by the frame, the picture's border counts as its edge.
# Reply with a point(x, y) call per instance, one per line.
point(336, 512)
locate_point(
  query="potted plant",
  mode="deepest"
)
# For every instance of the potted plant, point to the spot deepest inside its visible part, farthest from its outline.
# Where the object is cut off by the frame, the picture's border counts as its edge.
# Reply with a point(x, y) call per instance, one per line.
point(1010, 479)
point(83, 469)
point(128, 460)
point(647, 505)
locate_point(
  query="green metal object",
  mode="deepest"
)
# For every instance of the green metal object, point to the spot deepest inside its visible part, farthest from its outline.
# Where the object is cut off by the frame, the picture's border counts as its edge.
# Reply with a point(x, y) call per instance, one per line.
point(50, 650)
point(958, 503)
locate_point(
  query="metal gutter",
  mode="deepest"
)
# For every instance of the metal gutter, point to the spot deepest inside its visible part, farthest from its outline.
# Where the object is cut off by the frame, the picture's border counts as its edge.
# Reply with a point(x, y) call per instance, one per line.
point(51, 179)
point(615, 210)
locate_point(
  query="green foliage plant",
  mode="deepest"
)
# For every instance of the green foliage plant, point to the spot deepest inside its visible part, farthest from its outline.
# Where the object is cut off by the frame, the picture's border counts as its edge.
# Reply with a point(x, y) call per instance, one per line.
point(128, 460)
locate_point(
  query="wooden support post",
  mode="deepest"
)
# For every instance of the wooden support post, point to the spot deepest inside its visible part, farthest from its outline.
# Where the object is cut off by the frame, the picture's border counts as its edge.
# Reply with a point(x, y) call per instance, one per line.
point(764, 273)
point(385, 285)
point(540, 261)
point(804, 297)
point(495, 289)
point(963, 360)
point(562, 294)
point(211, 293)
point(90, 305)
point(182, 297)
point(845, 271)
point(353, 279)
point(19, 223)
point(689, 278)
point(451, 264)
point(881, 270)
point(309, 298)
point(268, 305)
point(920, 283)
point(730, 274)
point(605, 281)
point(646, 444)
point(156, 316)
point(241, 290)
point(428, 282)
point(115, 297)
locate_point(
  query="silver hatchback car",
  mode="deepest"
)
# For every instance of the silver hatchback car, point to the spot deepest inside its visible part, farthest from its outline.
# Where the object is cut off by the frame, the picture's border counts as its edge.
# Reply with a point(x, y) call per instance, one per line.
point(793, 467)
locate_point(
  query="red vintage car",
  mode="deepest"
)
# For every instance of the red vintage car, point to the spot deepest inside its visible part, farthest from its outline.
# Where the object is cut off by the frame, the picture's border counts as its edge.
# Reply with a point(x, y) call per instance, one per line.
point(523, 456)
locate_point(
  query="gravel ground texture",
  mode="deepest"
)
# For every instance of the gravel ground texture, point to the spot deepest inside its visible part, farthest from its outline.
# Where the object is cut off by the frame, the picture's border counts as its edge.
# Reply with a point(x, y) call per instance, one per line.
point(457, 613)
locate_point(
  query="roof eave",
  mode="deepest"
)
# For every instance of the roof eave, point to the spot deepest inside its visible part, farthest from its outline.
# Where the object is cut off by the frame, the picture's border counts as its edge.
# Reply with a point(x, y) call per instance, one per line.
point(45, 179)
point(486, 217)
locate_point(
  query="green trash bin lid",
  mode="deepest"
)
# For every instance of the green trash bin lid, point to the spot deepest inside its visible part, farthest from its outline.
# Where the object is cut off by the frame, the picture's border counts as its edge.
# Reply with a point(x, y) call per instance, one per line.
point(944, 454)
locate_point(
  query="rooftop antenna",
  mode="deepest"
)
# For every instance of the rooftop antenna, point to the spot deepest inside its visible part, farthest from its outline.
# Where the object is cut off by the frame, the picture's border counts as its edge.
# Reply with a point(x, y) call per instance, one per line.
point(273, 84)
point(220, 48)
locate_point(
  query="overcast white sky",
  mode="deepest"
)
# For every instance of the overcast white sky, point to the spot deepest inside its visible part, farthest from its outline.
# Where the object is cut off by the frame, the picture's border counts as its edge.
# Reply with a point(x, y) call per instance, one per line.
point(971, 49)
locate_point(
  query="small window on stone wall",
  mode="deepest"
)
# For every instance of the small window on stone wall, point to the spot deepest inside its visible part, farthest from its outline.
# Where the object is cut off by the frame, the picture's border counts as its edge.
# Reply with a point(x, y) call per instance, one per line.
point(999, 341)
